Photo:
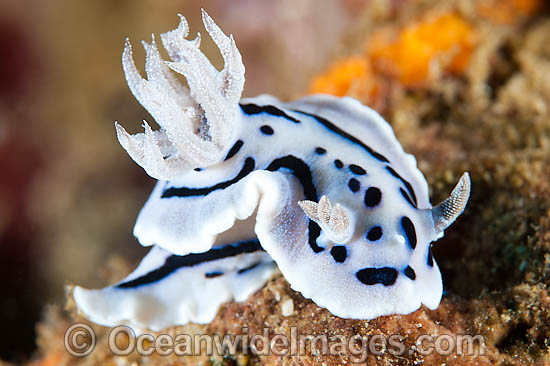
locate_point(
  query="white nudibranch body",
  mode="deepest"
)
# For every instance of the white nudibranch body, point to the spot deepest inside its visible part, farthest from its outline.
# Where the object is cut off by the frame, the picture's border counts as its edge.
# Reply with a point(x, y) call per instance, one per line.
point(319, 188)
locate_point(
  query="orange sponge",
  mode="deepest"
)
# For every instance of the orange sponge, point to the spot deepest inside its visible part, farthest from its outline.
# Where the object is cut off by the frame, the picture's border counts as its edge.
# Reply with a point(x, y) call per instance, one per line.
point(339, 77)
point(446, 39)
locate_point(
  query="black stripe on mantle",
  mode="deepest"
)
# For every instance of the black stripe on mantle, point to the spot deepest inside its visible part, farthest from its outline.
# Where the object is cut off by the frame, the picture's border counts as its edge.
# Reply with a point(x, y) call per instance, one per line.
point(252, 109)
point(301, 171)
point(296, 166)
point(331, 126)
point(248, 167)
point(175, 262)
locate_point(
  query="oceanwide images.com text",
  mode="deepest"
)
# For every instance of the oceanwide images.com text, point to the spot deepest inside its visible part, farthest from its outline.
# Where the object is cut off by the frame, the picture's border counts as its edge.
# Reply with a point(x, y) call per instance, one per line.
point(80, 341)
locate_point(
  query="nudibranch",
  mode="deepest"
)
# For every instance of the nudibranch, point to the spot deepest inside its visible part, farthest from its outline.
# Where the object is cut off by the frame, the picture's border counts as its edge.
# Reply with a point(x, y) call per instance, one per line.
point(319, 187)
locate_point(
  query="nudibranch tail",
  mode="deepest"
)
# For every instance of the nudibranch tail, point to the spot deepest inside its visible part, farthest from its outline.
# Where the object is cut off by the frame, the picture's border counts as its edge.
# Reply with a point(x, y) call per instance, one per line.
point(445, 213)
point(197, 125)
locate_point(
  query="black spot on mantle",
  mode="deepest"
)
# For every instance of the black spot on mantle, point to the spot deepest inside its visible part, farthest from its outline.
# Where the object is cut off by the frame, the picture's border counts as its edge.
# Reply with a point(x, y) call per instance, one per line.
point(372, 276)
point(409, 272)
point(320, 151)
point(267, 130)
point(213, 274)
point(430, 257)
point(249, 268)
point(354, 185)
point(375, 233)
point(373, 196)
point(339, 253)
point(410, 231)
point(356, 169)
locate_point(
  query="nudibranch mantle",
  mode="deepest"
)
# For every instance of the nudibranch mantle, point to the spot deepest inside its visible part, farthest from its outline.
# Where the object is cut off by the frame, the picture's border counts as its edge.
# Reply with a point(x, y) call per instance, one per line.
point(319, 188)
